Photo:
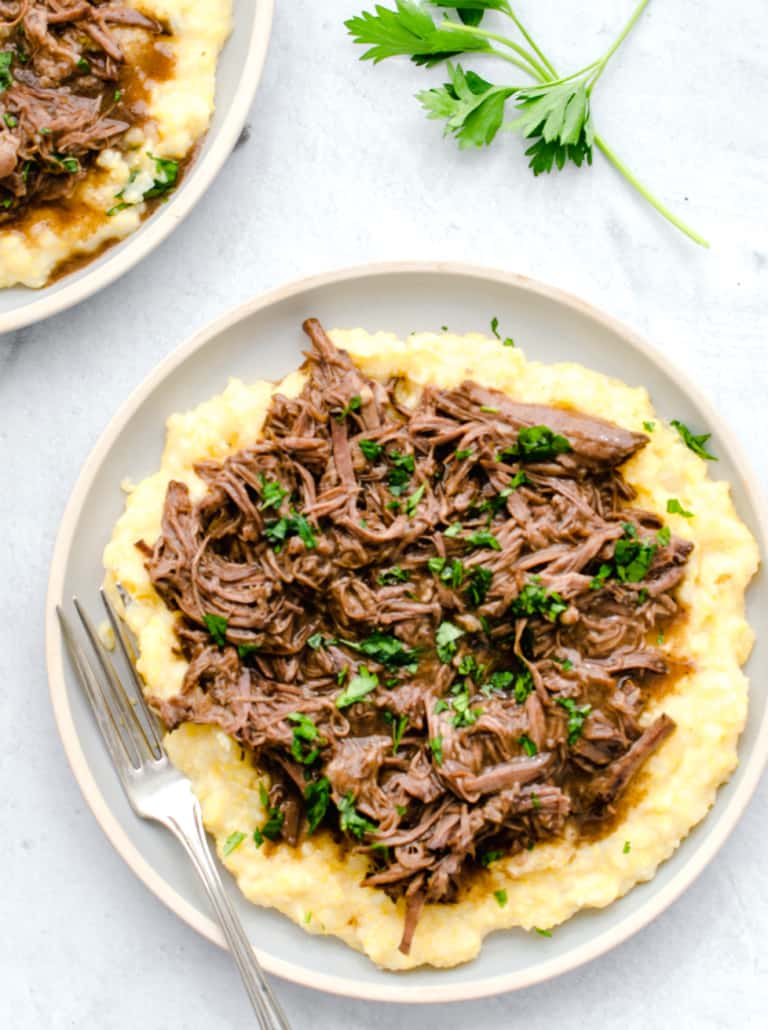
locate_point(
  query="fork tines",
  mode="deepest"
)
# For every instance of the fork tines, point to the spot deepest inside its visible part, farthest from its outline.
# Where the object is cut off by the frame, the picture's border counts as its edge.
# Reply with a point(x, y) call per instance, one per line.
point(127, 725)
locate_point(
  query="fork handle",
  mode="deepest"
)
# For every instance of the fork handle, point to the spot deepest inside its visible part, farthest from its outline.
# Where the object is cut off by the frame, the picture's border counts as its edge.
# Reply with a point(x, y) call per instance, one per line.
point(188, 829)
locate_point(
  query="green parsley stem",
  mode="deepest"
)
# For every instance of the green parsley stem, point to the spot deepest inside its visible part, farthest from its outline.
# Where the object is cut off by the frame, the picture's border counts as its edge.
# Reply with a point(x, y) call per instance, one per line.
point(617, 43)
point(600, 143)
point(529, 40)
point(644, 192)
point(531, 65)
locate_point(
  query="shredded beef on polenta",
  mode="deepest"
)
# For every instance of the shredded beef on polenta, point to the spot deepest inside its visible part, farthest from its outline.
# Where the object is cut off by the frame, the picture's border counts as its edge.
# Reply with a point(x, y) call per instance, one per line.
point(429, 624)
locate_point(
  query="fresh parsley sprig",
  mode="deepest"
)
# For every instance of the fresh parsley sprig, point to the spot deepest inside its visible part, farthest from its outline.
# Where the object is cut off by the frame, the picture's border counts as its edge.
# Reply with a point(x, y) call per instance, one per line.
point(554, 111)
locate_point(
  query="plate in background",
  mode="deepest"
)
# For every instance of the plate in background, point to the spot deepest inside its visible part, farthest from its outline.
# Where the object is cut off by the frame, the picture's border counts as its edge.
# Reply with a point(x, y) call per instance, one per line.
point(263, 339)
point(237, 78)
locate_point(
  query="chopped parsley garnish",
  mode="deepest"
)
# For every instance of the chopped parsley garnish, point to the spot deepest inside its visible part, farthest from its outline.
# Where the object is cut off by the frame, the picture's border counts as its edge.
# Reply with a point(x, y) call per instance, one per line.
point(69, 164)
point(527, 745)
point(488, 857)
point(371, 450)
point(317, 794)
point(539, 443)
point(501, 897)
point(399, 477)
point(273, 827)
point(436, 746)
point(535, 803)
point(450, 572)
point(697, 444)
point(398, 724)
point(353, 404)
point(234, 840)
point(272, 493)
point(393, 575)
point(6, 78)
point(479, 585)
point(565, 663)
point(306, 743)
point(482, 538)
point(507, 341)
point(674, 507)
point(84, 65)
point(217, 627)
point(632, 557)
point(649, 426)
point(412, 502)
point(316, 641)
point(663, 536)
point(244, 650)
point(489, 409)
point(576, 717)
point(542, 933)
point(462, 455)
point(469, 667)
point(446, 640)
point(385, 649)
point(359, 687)
point(351, 819)
point(463, 714)
point(166, 175)
point(627, 847)
point(117, 96)
point(10, 120)
point(533, 599)
point(295, 525)
point(453, 530)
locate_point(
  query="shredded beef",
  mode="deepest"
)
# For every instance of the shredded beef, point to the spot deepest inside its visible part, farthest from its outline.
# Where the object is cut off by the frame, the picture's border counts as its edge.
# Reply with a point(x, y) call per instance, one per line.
point(436, 616)
point(61, 102)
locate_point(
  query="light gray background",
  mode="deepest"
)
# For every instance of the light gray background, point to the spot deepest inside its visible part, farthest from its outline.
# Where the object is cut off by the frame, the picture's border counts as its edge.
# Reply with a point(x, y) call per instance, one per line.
point(340, 167)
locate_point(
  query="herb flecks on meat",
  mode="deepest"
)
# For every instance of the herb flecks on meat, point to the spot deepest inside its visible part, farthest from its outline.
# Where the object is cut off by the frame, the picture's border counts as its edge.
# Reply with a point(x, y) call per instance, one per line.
point(435, 683)
point(62, 101)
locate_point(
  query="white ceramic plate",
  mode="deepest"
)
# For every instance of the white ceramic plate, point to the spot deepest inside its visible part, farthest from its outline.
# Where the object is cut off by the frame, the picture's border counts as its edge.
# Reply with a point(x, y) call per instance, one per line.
point(237, 78)
point(263, 339)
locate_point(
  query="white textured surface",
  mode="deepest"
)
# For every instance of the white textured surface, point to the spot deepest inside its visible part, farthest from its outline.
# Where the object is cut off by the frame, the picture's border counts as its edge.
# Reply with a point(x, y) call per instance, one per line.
point(341, 168)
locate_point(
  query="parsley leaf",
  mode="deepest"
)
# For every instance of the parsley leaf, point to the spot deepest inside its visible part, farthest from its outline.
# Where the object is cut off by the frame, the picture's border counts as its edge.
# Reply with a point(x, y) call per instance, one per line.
point(533, 599)
point(393, 575)
point(446, 640)
point(358, 688)
point(479, 584)
point(501, 897)
point(296, 525)
point(697, 444)
point(353, 404)
point(674, 507)
point(403, 467)
point(537, 443)
point(558, 117)
point(436, 747)
point(398, 725)
point(305, 733)
point(453, 530)
point(627, 847)
point(463, 714)
point(217, 627)
point(317, 794)
point(482, 538)
point(272, 493)
point(166, 175)
point(234, 840)
point(409, 31)
point(542, 933)
point(6, 78)
point(273, 827)
point(649, 426)
point(386, 649)
point(472, 108)
point(527, 745)
point(351, 820)
point(412, 502)
point(576, 717)
point(371, 450)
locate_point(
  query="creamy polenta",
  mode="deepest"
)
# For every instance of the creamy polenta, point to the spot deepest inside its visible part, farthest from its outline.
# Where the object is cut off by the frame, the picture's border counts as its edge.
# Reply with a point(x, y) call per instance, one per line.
point(317, 884)
point(178, 103)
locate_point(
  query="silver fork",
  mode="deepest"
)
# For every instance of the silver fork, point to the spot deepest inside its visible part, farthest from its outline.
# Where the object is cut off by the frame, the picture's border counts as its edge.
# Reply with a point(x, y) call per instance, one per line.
point(158, 791)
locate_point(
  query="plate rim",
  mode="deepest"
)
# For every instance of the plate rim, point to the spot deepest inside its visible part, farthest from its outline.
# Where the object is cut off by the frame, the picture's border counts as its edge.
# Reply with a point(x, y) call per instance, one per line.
point(398, 990)
point(159, 226)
